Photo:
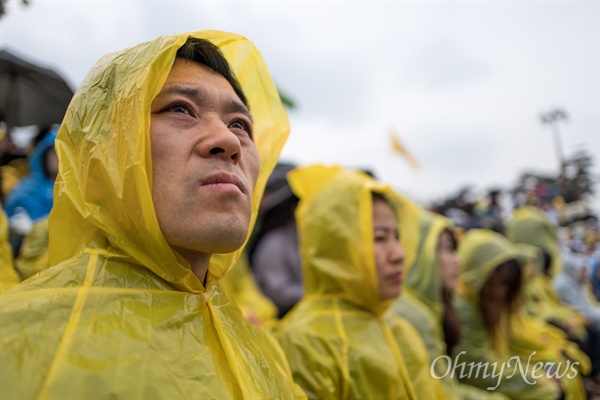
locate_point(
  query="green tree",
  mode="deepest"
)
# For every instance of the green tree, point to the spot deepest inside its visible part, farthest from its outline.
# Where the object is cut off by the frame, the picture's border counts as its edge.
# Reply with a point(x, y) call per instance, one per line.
point(579, 179)
point(576, 183)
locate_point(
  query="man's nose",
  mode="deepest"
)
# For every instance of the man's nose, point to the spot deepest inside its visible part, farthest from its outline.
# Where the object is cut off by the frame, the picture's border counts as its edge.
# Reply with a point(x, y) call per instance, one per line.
point(219, 141)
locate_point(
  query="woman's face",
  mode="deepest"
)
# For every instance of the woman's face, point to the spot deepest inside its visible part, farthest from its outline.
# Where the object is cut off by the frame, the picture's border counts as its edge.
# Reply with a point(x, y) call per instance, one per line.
point(389, 254)
point(447, 261)
point(498, 287)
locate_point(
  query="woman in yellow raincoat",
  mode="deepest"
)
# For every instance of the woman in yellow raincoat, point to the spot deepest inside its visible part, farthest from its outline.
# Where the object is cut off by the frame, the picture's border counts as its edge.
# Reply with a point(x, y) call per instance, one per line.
point(121, 314)
point(426, 301)
point(488, 295)
point(532, 336)
point(530, 226)
point(339, 342)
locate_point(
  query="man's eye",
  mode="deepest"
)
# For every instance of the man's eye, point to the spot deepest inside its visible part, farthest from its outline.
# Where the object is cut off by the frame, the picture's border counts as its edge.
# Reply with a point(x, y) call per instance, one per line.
point(178, 108)
point(240, 125)
point(380, 238)
point(244, 126)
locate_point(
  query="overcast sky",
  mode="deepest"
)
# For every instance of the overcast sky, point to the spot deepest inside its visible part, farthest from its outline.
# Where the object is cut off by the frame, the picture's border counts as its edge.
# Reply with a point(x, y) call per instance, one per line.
point(462, 83)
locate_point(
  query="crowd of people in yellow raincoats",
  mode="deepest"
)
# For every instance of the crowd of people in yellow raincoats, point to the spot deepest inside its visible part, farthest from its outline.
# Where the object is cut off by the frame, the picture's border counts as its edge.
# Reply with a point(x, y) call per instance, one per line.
point(397, 302)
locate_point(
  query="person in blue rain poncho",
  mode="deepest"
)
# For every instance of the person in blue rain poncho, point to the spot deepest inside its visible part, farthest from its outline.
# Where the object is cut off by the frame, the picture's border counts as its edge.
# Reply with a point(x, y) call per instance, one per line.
point(163, 157)
point(31, 200)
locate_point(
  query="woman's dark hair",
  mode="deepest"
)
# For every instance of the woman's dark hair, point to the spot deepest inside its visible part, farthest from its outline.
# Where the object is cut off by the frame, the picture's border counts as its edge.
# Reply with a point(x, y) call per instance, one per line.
point(547, 263)
point(204, 52)
point(450, 320)
point(508, 274)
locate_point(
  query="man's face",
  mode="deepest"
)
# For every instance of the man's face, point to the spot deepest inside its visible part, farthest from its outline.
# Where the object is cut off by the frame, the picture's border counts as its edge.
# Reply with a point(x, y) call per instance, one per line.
point(204, 160)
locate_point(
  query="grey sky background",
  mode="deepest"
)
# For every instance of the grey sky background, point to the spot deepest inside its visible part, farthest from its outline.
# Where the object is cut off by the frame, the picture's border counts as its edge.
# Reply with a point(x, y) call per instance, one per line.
point(462, 83)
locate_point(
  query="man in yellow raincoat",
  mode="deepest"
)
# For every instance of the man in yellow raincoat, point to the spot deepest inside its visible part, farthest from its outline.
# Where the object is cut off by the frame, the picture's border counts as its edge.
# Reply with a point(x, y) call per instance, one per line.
point(158, 186)
point(339, 342)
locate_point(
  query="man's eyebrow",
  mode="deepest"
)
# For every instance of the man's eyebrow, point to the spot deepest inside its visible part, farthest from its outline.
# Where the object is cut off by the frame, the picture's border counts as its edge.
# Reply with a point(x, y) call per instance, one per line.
point(192, 93)
point(236, 106)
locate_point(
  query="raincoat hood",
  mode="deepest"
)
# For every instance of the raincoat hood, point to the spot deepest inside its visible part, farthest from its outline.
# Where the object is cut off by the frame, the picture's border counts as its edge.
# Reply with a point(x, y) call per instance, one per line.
point(122, 316)
point(530, 225)
point(335, 225)
point(103, 193)
point(530, 258)
point(479, 253)
point(35, 192)
point(36, 160)
point(423, 276)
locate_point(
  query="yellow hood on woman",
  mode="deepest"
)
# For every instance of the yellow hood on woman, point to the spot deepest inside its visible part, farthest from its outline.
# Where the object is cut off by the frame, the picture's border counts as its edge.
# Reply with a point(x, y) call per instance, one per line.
point(530, 225)
point(479, 253)
point(423, 278)
point(335, 224)
point(103, 193)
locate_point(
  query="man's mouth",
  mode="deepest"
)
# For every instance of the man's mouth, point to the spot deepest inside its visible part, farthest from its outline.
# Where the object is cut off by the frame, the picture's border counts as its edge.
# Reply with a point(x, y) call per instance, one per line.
point(224, 180)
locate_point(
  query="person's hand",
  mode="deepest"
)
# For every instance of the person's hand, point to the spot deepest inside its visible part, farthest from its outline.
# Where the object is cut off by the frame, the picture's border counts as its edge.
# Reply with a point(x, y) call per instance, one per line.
point(20, 223)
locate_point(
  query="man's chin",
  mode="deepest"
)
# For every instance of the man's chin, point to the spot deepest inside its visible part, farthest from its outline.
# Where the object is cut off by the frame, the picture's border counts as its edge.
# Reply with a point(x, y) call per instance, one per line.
point(226, 242)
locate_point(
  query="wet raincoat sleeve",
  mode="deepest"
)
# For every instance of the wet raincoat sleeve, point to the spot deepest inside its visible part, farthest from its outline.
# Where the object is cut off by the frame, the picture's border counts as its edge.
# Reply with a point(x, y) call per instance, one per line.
point(240, 285)
point(33, 256)
point(120, 314)
point(8, 275)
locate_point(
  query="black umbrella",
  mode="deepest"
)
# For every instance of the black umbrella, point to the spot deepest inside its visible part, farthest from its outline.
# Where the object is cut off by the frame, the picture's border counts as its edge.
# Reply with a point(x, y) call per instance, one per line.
point(29, 94)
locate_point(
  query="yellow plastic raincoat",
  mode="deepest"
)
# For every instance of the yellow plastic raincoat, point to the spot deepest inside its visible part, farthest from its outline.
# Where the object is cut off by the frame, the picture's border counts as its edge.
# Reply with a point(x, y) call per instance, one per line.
point(240, 285)
point(532, 336)
point(120, 314)
point(530, 226)
point(422, 305)
point(8, 275)
point(33, 256)
point(480, 252)
point(339, 343)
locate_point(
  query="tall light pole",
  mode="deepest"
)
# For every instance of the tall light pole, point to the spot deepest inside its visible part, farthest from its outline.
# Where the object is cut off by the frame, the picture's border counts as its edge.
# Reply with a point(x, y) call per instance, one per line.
point(552, 118)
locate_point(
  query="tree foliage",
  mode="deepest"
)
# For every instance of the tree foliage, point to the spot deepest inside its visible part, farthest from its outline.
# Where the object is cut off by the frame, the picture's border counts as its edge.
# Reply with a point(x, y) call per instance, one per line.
point(575, 182)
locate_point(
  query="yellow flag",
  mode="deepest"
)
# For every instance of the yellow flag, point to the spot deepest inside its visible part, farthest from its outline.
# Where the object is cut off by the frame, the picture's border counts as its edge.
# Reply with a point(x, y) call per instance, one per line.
point(399, 148)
